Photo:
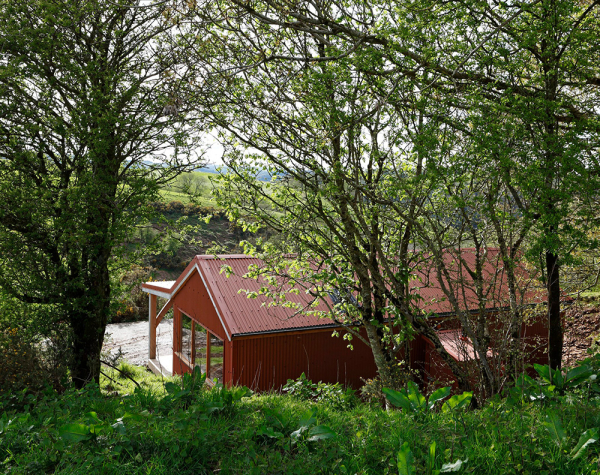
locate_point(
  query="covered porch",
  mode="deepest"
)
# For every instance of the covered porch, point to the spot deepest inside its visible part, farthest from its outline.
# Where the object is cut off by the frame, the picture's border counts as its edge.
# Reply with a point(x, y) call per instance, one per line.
point(191, 343)
point(158, 364)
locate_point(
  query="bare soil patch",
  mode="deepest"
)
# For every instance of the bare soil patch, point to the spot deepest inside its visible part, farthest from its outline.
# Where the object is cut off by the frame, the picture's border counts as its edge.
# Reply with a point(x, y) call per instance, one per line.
point(582, 328)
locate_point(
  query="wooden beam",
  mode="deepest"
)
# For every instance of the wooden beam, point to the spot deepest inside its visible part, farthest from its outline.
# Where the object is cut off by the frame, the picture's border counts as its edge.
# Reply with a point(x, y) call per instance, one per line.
point(163, 311)
point(152, 327)
point(176, 330)
point(207, 354)
point(193, 343)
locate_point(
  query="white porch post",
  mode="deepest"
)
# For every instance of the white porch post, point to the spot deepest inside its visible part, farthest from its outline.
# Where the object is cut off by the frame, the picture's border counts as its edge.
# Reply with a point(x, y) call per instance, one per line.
point(152, 327)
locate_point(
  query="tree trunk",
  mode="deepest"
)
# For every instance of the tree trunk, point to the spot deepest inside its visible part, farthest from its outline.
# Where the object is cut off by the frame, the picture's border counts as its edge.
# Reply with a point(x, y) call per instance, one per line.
point(555, 334)
point(379, 354)
point(89, 324)
point(461, 378)
point(89, 314)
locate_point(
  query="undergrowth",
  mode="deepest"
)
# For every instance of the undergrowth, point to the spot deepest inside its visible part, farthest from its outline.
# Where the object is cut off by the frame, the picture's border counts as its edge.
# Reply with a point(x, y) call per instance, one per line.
point(169, 426)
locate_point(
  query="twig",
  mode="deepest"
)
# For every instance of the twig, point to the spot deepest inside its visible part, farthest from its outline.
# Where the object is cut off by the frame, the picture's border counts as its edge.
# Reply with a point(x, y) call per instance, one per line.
point(107, 376)
point(122, 372)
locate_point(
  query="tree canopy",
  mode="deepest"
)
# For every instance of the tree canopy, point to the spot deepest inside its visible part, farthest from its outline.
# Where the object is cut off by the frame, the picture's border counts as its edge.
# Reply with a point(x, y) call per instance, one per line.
point(91, 125)
point(394, 131)
point(387, 121)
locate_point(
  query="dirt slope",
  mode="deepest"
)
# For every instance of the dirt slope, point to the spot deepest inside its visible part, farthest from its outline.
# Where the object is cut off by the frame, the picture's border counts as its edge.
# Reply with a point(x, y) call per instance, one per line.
point(582, 328)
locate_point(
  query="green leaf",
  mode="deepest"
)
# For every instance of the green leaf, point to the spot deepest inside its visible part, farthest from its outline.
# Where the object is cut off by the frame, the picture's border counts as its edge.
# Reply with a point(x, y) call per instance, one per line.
point(93, 418)
point(417, 400)
point(241, 392)
point(74, 432)
point(307, 419)
point(298, 433)
point(438, 395)
point(133, 417)
point(406, 460)
point(554, 427)
point(544, 372)
point(457, 401)
point(589, 437)
point(119, 427)
point(198, 376)
point(320, 433)
point(398, 399)
point(577, 375)
point(558, 379)
point(431, 459)
point(453, 467)
point(172, 388)
point(269, 432)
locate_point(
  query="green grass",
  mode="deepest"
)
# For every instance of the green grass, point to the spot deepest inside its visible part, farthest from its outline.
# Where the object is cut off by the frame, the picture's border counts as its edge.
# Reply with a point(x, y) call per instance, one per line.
point(592, 295)
point(164, 428)
point(115, 382)
point(203, 195)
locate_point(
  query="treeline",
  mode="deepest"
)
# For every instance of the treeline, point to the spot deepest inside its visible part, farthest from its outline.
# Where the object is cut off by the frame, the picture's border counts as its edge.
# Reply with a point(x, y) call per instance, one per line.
point(400, 136)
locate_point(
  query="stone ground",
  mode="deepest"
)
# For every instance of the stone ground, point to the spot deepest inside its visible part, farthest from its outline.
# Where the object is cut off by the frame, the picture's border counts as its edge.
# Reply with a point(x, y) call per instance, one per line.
point(132, 339)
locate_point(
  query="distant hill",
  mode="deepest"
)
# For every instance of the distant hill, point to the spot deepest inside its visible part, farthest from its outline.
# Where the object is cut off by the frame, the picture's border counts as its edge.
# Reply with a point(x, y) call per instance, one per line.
point(212, 168)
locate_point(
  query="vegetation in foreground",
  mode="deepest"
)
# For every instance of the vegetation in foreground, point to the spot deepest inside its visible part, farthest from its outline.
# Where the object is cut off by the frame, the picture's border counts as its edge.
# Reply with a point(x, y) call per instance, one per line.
point(181, 426)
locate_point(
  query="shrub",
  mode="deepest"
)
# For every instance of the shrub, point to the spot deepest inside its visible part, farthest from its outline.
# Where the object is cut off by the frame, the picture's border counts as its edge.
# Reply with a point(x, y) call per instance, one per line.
point(372, 390)
point(131, 304)
point(334, 395)
point(20, 367)
point(159, 206)
point(191, 209)
point(30, 365)
point(175, 207)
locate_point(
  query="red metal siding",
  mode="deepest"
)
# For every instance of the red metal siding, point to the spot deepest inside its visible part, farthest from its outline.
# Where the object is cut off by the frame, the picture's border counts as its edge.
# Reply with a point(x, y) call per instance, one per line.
point(179, 366)
point(194, 301)
point(534, 341)
point(437, 372)
point(228, 363)
point(269, 361)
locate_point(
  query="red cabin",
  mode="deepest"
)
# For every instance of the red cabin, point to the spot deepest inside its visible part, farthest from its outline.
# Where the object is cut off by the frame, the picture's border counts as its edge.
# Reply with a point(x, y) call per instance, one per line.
point(243, 341)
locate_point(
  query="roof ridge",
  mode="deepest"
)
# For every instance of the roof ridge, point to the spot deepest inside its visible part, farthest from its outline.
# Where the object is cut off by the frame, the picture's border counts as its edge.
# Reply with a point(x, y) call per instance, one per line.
point(224, 257)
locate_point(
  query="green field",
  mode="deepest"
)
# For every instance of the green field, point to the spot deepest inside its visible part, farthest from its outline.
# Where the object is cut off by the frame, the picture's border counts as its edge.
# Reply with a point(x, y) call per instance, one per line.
point(199, 183)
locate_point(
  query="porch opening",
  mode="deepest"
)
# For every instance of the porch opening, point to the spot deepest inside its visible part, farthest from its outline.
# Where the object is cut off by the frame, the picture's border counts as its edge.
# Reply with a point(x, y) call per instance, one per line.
point(201, 348)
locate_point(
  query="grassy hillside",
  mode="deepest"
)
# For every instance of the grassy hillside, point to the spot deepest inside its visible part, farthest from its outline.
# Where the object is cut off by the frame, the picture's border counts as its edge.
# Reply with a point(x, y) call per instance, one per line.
point(196, 184)
point(169, 242)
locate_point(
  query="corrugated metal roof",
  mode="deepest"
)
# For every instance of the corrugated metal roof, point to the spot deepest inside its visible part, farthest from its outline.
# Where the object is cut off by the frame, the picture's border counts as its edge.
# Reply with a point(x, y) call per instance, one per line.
point(243, 315)
point(433, 299)
point(252, 315)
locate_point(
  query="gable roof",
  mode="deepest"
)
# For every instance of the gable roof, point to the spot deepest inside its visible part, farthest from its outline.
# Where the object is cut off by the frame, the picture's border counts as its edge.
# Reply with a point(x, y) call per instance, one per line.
point(241, 315)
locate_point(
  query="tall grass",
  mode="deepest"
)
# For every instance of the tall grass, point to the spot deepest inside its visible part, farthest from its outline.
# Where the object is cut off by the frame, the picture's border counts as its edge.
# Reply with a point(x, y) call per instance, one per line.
point(172, 426)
